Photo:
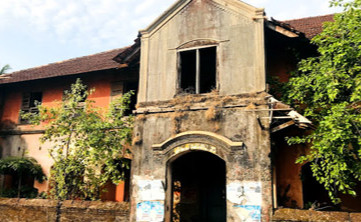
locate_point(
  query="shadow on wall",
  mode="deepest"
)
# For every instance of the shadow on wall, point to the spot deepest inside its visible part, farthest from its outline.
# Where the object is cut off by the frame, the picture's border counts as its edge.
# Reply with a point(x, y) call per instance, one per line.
point(18, 171)
point(7, 125)
point(296, 186)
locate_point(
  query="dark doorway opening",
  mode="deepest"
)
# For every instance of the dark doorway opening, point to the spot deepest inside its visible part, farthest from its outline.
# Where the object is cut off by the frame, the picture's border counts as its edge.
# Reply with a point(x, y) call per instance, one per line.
point(314, 194)
point(198, 188)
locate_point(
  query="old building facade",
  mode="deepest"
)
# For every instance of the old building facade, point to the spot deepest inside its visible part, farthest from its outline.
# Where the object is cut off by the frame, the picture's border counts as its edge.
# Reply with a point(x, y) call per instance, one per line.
point(200, 143)
point(209, 137)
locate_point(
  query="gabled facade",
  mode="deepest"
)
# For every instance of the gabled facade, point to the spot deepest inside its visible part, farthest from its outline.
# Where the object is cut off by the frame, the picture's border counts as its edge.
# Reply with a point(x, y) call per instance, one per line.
point(202, 146)
point(232, 29)
point(204, 62)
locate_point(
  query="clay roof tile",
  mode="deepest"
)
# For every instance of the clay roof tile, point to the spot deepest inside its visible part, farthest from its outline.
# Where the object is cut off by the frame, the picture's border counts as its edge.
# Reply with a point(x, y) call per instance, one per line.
point(310, 26)
point(90, 63)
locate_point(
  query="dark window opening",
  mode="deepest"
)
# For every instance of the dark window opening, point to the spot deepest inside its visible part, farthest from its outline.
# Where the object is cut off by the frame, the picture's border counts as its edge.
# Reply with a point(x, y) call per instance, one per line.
point(30, 101)
point(198, 70)
point(188, 71)
point(131, 86)
point(208, 69)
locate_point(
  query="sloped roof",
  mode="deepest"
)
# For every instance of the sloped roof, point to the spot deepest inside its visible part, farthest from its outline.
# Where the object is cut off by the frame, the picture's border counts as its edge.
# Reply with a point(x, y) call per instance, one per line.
point(310, 26)
point(90, 63)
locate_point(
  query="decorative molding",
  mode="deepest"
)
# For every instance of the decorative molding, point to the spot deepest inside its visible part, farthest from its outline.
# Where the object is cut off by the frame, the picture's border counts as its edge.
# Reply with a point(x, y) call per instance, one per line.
point(197, 141)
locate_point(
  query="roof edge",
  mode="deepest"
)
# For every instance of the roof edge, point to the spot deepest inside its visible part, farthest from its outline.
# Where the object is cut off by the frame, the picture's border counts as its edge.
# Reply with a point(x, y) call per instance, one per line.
point(255, 13)
point(165, 16)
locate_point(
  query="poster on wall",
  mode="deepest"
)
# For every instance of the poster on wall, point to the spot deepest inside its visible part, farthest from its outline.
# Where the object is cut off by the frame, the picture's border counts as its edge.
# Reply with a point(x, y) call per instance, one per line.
point(248, 213)
point(150, 190)
point(150, 211)
point(247, 200)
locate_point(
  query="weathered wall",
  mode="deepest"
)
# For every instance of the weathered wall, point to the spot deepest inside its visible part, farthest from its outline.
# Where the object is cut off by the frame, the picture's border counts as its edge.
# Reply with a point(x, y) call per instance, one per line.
point(290, 180)
point(288, 173)
point(18, 139)
point(237, 123)
point(311, 215)
point(236, 29)
point(20, 210)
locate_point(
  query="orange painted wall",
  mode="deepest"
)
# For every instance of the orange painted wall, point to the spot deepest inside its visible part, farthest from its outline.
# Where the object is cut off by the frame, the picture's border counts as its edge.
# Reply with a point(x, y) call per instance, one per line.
point(114, 192)
point(12, 104)
point(52, 91)
point(288, 173)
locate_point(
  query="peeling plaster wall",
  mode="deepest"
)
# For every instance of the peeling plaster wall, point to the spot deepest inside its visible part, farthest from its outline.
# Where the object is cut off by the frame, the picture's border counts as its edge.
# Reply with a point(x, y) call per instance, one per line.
point(238, 31)
point(247, 167)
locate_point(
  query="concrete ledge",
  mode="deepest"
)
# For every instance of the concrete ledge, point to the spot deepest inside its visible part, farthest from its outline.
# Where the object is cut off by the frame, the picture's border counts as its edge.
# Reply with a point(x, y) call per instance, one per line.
point(311, 215)
point(16, 210)
point(290, 215)
point(355, 217)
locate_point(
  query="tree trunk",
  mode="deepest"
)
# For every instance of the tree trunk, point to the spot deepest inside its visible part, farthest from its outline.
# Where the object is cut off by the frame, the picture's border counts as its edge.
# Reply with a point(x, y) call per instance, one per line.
point(19, 185)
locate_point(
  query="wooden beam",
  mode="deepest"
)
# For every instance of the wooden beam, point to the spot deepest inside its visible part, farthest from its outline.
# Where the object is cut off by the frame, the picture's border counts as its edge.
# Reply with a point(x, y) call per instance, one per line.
point(20, 132)
point(282, 126)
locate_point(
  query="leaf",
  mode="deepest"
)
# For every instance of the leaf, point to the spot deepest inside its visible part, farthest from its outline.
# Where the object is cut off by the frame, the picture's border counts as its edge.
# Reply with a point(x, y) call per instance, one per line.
point(86, 142)
point(328, 90)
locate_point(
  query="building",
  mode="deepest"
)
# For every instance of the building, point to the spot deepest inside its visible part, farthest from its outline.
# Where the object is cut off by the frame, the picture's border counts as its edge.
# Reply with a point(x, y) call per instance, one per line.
point(208, 138)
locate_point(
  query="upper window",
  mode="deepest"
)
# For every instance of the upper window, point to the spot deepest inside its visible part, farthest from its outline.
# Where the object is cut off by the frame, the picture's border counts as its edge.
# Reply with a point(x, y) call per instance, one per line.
point(198, 70)
point(121, 87)
point(30, 102)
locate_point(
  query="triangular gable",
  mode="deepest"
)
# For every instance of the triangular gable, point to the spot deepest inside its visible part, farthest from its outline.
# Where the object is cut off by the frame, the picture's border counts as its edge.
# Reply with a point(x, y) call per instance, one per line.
point(235, 6)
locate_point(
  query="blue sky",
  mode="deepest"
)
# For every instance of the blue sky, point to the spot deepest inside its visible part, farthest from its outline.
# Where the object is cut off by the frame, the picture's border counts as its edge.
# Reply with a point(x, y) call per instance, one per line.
point(38, 32)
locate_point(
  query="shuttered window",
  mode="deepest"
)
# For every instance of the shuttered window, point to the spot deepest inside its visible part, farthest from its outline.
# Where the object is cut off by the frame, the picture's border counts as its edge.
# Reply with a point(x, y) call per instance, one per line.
point(29, 104)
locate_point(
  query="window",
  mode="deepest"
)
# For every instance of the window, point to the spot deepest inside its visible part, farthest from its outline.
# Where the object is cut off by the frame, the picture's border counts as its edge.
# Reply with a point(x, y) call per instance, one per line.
point(131, 86)
point(198, 70)
point(29, 103)
point(118, 88)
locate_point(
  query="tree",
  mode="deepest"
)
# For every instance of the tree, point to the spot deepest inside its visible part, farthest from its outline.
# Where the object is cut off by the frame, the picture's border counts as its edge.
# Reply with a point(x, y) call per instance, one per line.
point(89, 144)
point(4, 69)
point(22, 167)
point(327, 88)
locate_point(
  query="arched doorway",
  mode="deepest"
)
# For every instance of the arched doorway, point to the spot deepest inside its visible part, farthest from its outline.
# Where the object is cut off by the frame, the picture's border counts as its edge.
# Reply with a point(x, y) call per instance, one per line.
point(198, 188)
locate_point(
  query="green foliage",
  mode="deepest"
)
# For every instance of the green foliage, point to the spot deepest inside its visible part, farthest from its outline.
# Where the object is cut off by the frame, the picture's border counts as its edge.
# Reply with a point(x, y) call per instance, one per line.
point(24, 192)
point(327, 89)
point(4, 69)
point(276, 87)
point(22, 166)
point(88, 143)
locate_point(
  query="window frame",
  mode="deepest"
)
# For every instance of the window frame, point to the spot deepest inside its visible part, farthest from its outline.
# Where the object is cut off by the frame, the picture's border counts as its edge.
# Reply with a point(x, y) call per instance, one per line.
point(30, 108)
point(198, 68)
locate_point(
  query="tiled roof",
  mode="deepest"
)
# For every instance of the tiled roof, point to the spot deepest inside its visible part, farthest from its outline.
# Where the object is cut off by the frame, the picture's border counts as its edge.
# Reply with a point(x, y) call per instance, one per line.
point(310, 26)
point(95, 62)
